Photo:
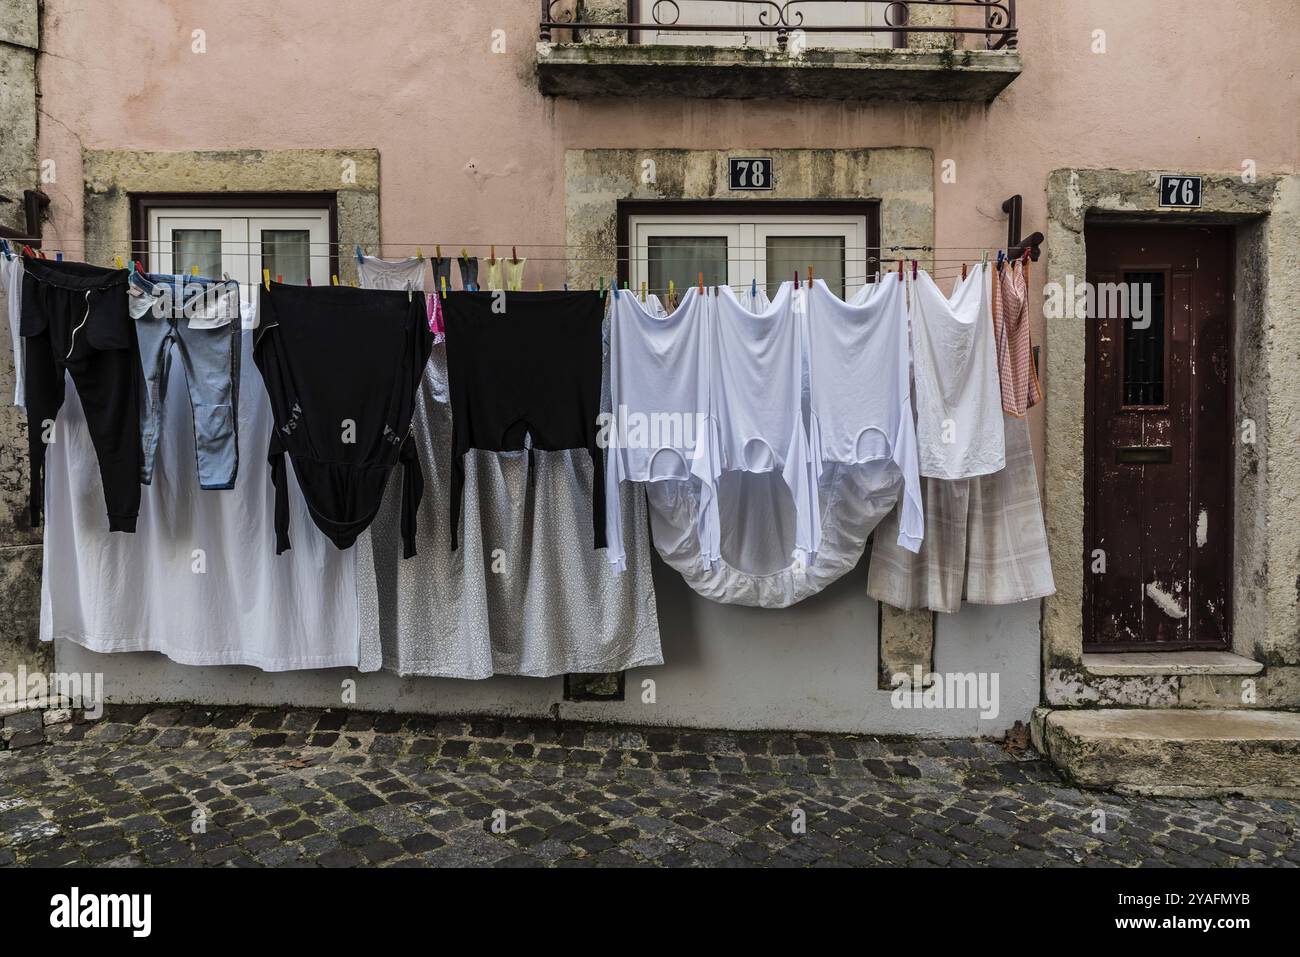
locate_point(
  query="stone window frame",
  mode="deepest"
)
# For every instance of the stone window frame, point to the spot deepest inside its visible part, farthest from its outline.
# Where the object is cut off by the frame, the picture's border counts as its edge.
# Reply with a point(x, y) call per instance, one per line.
point(112, 177)
point(1266, 214)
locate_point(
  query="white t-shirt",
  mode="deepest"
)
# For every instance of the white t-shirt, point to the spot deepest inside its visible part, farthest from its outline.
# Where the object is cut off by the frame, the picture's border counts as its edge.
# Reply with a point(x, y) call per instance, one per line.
point(11, 277)
point(959, 429)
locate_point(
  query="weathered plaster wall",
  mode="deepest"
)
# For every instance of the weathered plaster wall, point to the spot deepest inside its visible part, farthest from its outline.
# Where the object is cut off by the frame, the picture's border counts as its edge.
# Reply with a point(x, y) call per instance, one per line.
point(472, 154)
point(20, 553)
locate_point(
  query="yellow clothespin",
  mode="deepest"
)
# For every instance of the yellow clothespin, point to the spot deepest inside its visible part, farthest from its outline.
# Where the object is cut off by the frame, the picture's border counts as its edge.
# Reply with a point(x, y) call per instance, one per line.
point(443, 280)
point(117, 261)
point(672, 290)
point(194, 270)
point(354, 284)
point(437, 251)
point(540, 288)
point(643, 290)
point(266, 279)
point(463, 254)
point(334, 280)
point(419, 253)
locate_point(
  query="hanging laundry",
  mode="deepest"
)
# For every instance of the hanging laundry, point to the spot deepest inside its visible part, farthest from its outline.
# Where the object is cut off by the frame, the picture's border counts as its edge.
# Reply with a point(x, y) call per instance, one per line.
point(494, 273)
point(1015, 348)
point(376, 273)
point(524, 374)
point(342, 367)
point(661, 426)
point(958, 403)
point(11, 280)
point(985, 540)
point(198, 319)
point(525, 593)
point(441, 274)
point(468, 273)
point(860, 403)
point(196, 582)
point(515, 274)
point(75, 319)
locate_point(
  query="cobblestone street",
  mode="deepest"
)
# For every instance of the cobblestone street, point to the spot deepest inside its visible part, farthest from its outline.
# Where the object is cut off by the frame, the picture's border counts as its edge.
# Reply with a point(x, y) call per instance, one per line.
point(334, 789)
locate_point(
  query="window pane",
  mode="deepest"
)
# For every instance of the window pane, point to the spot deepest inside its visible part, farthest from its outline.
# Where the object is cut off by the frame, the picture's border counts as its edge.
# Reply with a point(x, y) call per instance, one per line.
point(287, 253)
point(683, 258)
point(1144, 348)
point(197, 247)
point(787, 255)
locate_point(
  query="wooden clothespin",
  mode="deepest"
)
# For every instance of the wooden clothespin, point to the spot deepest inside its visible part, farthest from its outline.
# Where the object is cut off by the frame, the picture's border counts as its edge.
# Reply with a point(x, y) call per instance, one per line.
point(963, 271)
point(266, 279)
point(701, 282)
point(810, 275)
point(492, 258)
point(437, 251)
point(419, 253)
point(334, 280)
point(514, 256)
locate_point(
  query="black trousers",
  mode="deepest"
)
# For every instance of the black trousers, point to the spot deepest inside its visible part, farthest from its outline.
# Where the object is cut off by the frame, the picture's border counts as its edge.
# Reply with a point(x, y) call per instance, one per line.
point(75, 319)
point(524, 370)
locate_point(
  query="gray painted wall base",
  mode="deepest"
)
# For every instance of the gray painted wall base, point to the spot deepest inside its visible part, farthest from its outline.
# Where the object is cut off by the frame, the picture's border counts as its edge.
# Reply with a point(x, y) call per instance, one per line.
point(812, 667)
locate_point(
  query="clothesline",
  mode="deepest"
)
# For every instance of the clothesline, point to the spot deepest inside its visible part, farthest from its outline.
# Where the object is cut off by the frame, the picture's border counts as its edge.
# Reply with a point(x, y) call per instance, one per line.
point(147, 244)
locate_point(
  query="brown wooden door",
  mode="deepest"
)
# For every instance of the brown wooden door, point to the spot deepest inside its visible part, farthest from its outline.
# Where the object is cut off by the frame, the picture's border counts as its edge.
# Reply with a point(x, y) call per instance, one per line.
point(1159, 439)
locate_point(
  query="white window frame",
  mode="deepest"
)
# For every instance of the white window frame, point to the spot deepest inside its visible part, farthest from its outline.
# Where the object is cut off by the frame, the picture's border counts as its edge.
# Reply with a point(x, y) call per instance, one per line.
point(241, 237)
point(734, 17)
point(747, 236)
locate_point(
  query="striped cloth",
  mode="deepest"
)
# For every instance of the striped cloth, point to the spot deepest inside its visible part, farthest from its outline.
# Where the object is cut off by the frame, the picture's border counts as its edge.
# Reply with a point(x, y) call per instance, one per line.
point(1015, 349)
point(984, 540)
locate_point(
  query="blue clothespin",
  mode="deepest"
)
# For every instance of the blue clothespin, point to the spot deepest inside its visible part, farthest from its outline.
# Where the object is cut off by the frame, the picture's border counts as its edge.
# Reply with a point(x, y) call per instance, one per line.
point(566, 287)
point(360, 258)
point(753, 288)
point(1001, 256)
point(613, 284)
point(58, 257)
point(4, 246)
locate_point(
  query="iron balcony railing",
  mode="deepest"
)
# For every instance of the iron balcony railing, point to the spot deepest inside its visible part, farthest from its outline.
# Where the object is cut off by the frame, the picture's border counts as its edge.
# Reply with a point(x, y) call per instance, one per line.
point(997, 25)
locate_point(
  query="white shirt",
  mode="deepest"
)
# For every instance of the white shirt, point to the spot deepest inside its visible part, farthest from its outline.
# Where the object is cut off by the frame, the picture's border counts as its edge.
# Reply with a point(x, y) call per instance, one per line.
point(959, 428)
point(11, 277)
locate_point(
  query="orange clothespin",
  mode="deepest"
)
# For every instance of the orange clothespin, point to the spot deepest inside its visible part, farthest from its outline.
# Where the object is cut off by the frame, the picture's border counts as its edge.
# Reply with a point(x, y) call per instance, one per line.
point(810, 275)
point(266, 279)
point(701, 282)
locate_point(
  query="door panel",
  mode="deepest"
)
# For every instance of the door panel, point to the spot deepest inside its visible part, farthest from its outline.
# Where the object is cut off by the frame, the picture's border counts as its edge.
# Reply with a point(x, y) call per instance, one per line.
point(1159, 439)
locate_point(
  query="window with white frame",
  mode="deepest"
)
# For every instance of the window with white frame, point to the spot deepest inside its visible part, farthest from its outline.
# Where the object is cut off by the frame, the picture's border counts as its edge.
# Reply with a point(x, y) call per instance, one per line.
point(738, 22)
point(742, 250)
point(292, 244)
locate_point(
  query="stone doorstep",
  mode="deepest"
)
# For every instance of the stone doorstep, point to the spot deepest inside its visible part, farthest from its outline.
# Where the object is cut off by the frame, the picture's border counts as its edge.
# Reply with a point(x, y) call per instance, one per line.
point(1174, 751)
point(1137, 663)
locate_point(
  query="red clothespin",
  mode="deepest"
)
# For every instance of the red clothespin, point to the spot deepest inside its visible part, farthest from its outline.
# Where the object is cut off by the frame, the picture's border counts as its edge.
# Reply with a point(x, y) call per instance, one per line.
point(900, 269)
point(913, 268)
point(279, 279)
point(27, 250)
point(701, 282)
point(796, 279)
point(963, 270)
point(139, 268)
point(309, 280)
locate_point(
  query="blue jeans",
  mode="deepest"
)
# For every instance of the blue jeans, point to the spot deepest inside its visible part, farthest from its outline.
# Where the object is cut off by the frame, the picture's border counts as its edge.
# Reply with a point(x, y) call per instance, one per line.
point(200, 317)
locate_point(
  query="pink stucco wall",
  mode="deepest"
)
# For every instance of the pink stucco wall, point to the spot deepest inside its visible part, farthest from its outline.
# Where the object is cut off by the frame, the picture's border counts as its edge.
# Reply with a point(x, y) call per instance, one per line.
point(471, 153)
